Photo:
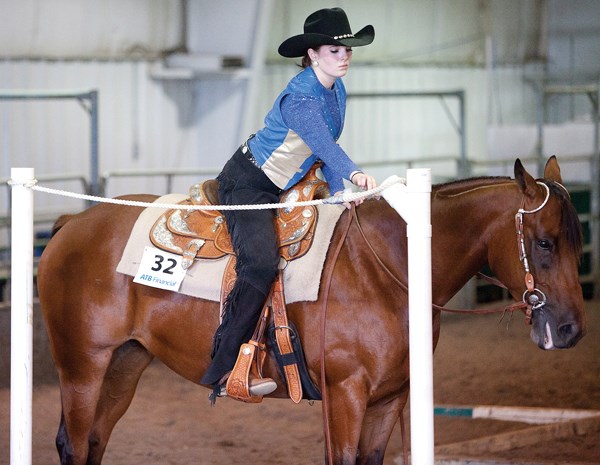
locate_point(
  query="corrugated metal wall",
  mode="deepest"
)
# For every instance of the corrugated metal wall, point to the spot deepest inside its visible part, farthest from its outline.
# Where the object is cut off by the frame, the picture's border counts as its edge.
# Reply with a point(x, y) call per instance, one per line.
point(144, 123)
point(75, 29)
point(431, 32)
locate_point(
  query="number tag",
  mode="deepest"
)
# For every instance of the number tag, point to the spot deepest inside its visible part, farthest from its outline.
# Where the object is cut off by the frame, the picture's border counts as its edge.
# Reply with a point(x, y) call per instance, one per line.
point(160, 269)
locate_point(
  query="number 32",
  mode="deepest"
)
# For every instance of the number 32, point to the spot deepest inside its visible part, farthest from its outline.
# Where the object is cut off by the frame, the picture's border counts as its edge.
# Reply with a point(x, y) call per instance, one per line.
point(158, 264)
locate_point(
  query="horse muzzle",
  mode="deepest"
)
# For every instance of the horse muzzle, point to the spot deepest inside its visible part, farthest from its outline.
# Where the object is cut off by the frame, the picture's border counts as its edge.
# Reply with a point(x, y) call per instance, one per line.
point(549, 335)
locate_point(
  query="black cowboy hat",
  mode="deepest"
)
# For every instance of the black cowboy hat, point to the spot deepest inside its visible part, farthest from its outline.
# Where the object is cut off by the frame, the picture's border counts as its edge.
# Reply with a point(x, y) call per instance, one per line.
point(328, 26)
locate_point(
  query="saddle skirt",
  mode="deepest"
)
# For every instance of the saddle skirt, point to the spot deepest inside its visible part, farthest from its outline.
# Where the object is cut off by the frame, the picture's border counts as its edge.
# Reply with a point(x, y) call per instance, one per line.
point(202, 234)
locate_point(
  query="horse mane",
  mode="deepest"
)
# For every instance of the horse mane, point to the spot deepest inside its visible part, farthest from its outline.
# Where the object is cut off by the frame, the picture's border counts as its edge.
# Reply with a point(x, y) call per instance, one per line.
point(569, 220)
point(460, 185)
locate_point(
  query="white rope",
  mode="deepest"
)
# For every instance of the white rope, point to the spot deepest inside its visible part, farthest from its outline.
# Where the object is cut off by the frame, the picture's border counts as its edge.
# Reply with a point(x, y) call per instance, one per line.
point(346, 197)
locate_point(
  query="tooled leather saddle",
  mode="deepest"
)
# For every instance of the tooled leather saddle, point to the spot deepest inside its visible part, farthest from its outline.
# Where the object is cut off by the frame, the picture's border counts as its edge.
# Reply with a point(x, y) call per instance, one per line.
point(202, 233)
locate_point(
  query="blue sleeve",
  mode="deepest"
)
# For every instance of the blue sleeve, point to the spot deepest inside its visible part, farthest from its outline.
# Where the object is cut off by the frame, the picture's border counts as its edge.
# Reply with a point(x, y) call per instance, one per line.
point(303, 114)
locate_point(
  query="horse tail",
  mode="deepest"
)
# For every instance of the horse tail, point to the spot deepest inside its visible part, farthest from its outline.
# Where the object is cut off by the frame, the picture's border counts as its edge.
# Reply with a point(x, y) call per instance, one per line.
point(60, 222)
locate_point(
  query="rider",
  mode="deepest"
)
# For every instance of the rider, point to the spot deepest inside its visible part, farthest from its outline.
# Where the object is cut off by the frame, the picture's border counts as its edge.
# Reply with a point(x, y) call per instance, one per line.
point(303, 126)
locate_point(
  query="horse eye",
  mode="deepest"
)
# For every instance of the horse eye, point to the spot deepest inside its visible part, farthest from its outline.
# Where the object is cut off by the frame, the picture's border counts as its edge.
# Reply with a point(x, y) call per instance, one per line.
point(544, 244)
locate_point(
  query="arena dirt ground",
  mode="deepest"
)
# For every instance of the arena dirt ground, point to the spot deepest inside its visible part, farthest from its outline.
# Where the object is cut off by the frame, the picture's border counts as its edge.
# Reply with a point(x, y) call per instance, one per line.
point(479, 361)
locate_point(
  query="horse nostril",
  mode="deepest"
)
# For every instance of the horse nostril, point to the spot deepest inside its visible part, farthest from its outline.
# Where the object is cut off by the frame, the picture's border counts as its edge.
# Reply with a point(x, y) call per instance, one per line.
point(567, 331)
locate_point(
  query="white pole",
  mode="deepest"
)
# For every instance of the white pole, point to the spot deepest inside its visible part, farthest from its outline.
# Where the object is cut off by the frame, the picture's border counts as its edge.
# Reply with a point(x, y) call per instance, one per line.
point(21, 322)
point(418, 183)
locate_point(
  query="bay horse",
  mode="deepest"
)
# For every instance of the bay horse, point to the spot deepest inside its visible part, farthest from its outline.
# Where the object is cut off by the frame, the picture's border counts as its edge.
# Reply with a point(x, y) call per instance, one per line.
point(104, 329)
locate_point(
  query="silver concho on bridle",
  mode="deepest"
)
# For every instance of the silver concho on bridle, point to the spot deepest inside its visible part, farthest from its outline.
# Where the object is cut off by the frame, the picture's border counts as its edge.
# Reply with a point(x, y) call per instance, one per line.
point(535, 298)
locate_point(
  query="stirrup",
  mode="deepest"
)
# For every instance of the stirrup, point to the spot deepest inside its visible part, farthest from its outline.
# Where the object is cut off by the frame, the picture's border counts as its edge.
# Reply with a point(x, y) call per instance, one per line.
point(256, 387)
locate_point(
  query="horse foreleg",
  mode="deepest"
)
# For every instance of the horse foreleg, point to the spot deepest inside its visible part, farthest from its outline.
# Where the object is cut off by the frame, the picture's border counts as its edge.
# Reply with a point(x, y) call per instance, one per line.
point(377, 427)
point(347, 406)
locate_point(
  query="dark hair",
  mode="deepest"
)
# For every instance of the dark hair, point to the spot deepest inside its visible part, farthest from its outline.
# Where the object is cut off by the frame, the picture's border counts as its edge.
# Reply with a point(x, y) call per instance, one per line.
point(306, 61)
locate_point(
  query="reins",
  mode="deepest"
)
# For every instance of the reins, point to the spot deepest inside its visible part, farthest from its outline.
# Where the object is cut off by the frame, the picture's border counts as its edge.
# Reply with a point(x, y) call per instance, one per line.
point(328, 277)
point(404, 287)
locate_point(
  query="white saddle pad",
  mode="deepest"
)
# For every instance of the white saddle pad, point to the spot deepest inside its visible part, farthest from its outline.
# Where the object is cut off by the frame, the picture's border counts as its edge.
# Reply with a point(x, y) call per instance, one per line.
point(203, 279)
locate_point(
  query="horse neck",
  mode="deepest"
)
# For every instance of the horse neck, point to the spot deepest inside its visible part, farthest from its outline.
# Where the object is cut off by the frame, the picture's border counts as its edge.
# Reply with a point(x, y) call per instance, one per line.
point(466, 217)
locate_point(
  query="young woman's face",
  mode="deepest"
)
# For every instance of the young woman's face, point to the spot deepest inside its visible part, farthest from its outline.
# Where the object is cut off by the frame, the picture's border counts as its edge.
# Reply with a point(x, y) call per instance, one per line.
point(333, 60)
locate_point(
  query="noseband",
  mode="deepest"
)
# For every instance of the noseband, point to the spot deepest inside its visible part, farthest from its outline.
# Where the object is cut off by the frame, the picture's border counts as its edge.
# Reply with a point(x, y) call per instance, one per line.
point(533, 298)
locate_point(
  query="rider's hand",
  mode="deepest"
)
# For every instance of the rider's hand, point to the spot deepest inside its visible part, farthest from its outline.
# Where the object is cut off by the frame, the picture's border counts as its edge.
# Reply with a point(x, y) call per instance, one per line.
point(364, 181)
point(345, 204)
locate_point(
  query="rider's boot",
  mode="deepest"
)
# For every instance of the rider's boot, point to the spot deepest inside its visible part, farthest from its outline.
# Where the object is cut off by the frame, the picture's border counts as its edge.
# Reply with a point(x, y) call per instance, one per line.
point(236, 329)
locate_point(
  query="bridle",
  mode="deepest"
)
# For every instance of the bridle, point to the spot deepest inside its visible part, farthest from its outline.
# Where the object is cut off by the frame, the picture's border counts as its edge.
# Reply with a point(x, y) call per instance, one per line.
point(533, 298)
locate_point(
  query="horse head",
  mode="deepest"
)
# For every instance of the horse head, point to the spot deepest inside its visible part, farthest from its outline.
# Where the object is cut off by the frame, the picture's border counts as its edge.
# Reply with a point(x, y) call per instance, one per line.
point(549, 242)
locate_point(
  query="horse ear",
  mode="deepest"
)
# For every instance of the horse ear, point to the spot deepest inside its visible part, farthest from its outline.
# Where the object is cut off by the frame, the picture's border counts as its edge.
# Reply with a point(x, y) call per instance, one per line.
point(552, 170)
point(525, 181)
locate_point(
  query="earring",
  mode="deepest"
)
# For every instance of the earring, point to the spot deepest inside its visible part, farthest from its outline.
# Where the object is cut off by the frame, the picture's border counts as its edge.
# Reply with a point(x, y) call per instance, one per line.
point(315, 63)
